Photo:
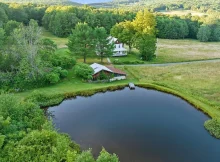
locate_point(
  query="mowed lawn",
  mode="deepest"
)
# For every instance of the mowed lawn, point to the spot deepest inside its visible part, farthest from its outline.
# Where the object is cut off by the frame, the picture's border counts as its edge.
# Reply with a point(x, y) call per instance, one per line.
point(90, 59)
point(185, 50)
point(199, 80)
point(61, 42)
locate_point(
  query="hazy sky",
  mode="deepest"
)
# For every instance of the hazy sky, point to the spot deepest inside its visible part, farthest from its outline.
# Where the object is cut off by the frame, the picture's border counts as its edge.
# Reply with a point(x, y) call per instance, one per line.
point(90, 1)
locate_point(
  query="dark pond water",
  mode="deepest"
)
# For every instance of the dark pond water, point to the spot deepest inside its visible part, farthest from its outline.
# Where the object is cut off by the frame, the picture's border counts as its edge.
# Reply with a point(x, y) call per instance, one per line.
point(139, 126)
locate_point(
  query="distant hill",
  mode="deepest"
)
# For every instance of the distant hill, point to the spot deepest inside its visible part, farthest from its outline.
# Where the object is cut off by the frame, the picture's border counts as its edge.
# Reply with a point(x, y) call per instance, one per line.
point(90, 1)
point(157, 5)
point(66, 2)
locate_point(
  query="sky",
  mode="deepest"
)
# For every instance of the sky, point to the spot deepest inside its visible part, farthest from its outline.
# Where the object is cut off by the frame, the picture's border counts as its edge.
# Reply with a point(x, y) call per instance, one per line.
point(90, 1)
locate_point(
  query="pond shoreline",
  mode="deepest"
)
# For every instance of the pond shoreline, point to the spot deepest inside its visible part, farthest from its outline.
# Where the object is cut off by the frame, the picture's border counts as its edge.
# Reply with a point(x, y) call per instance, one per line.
point(53, 100)
point(158, 119)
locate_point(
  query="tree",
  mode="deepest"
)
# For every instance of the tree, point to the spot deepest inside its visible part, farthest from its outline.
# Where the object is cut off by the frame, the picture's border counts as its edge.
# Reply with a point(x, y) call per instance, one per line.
point(44, 145)
point(85, 156)
point(81, 41)
point(10, 26)
point(217, 33)
point(3, 17)
point(125, 32)
point(17, 13)
point(103, 47)
point(145, 25)
point(2, 38)
point(27, 40)
point(104, 156)
point(84, 71)
point(145, 22)
point(146, 44)
point(204, 33)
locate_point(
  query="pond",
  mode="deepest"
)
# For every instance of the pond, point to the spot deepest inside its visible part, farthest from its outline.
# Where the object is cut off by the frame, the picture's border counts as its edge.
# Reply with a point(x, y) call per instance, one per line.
point(139, 126)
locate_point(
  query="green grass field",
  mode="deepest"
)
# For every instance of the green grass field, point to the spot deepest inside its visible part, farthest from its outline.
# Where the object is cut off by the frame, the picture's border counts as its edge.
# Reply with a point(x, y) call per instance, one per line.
point(61, 42)
point(199, 81)
point(183, 12)
point(169, 51)
point(185, 50)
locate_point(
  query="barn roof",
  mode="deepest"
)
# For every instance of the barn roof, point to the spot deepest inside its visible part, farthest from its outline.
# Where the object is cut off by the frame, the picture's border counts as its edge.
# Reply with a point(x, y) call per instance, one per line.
point(97, 68)
point(117, 71)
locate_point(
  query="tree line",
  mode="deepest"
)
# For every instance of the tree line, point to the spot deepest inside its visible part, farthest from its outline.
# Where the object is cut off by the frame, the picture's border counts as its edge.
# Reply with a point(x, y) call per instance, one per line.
point(61, 19)
point(204, 28)
point(165, 5)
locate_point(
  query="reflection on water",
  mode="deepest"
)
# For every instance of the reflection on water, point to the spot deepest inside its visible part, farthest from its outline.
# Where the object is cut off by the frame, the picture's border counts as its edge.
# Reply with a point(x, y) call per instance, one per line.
point(139, 126)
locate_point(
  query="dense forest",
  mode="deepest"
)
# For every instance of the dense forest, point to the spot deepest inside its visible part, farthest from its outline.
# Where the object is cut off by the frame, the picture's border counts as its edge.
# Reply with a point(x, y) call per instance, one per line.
point(49, 2)
point(157, 5)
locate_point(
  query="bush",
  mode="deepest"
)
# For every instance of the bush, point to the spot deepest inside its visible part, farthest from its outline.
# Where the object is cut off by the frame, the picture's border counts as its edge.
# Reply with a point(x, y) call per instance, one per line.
point(84, 71)
point(43, 99)
point(42, 146)
point(16, 117)
point(85, 156)
point(53, 77)
point(213, 126)
point(64, 73)
point(65, 61)
point(106, 157)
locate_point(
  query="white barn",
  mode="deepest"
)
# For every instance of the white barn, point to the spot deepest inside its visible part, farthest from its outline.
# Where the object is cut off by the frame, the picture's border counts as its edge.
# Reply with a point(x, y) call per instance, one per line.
point(119, 49)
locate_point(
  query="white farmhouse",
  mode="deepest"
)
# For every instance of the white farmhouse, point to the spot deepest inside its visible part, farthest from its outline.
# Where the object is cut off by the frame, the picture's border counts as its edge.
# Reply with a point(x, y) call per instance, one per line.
point(119, 49)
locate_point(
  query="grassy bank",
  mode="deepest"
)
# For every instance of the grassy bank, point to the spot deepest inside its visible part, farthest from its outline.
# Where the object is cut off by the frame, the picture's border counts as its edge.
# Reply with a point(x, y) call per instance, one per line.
point(196, 83)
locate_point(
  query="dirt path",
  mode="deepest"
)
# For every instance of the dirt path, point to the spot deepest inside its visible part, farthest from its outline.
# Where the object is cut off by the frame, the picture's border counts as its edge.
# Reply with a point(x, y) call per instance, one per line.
point(177, 63)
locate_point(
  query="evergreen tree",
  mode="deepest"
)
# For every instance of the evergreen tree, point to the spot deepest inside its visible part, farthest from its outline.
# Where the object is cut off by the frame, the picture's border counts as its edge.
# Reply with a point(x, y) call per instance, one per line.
point(103, 47)
point(81, 41)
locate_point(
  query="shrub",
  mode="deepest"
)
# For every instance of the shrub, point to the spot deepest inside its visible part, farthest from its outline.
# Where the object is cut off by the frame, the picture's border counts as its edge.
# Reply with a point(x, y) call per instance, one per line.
point(213, 126)
point(16, 117)
point(41, 146)
point(65, 61)
point(106, 157)
point(43, 99)
point(64, 73)
point(53, 77)
point(85, 156)
point(84, 71)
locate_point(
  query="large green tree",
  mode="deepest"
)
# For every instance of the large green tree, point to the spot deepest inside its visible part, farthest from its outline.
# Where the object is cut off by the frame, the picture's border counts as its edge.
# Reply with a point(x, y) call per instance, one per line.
point(204, 33)
point(103, 46)
point(10, 26)
point(125, 32)
point(145, 25)
point(81, 41)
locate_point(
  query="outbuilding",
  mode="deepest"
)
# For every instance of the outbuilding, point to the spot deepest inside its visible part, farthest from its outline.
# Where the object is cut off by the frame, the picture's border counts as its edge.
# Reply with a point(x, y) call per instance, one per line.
point(112, 73)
